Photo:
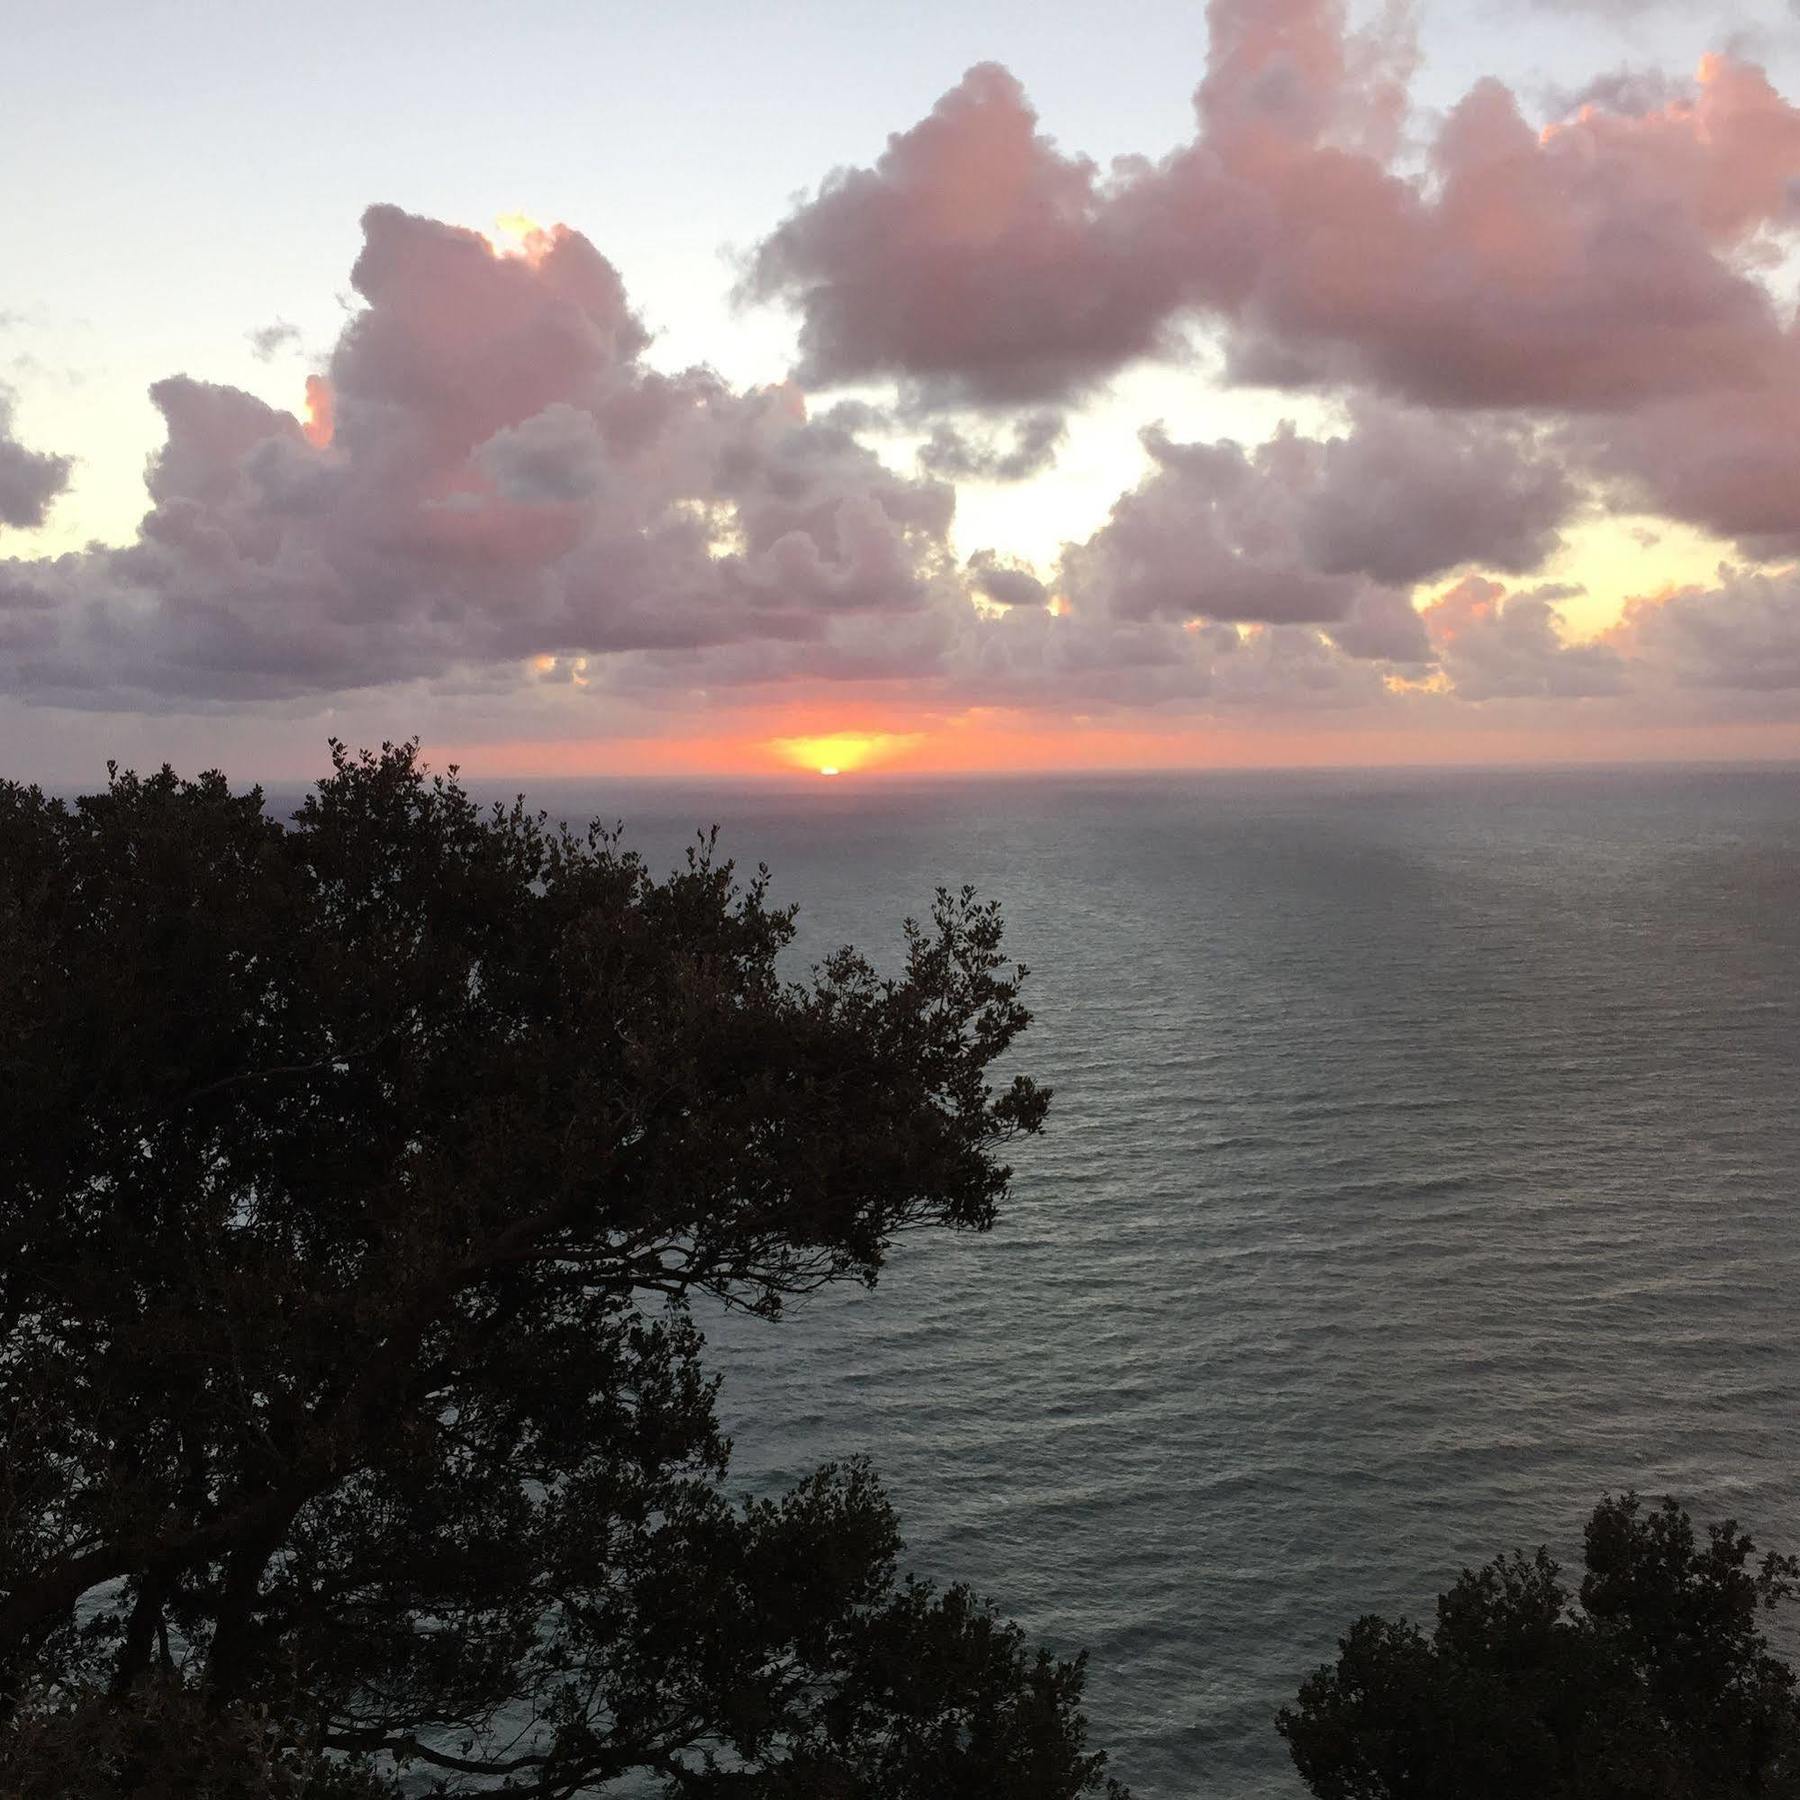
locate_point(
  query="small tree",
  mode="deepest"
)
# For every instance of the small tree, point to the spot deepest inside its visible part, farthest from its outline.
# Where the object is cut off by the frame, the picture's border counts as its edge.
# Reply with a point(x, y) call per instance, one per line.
point(354, 1180)
point(1658, 1685)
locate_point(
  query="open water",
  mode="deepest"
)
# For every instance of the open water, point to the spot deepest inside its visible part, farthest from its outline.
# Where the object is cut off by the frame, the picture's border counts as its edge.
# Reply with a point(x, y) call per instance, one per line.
point(1425, 1161)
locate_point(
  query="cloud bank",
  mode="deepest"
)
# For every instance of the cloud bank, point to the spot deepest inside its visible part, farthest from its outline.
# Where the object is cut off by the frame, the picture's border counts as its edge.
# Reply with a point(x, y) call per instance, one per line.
point(1514, 327)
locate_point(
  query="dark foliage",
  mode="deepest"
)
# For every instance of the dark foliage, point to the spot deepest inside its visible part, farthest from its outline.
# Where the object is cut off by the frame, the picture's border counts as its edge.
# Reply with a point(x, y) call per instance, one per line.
point(1657, 1685)
point(353, 1180)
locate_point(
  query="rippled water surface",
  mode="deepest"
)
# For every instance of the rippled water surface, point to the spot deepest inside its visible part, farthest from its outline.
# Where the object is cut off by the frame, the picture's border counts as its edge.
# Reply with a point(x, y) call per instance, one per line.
point(1425, 1160)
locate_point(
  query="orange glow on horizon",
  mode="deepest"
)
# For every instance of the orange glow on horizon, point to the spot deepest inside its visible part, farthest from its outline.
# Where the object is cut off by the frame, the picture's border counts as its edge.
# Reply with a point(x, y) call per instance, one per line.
point(991, 742)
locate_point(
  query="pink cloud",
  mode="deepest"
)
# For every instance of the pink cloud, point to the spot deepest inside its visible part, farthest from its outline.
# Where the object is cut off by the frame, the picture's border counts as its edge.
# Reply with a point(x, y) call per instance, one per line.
point(1742, 636)
point(1586, 266)
point(488, 472)
point(974, 259)
point(1194, 541)
point(1496, 645)
point(1725, 458)
point(1300, 529)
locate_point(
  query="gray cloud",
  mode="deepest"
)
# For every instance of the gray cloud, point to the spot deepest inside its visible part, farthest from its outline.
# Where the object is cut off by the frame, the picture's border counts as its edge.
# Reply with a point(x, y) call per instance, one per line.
point(268, 341)
point(556, 457)
point(1493, 645)
point(1005, 583)
point(1723, 459)
point(1299, 529)
point(954, 455)
point(30, 480)
point(1742, 636)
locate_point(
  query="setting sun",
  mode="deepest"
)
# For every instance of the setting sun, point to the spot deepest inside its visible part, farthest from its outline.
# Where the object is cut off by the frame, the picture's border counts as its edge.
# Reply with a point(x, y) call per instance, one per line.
point(841, 752)
point(517, 234)
point(316, 427)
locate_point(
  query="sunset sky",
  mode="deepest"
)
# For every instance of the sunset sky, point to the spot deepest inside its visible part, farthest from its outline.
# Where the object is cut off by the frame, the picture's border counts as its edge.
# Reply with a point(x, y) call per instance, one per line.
point(699, 388)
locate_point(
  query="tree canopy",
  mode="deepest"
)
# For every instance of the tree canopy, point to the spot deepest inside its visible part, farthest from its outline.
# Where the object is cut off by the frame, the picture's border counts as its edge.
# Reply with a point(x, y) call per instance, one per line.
point(355, 1176)
point(1655, 1683)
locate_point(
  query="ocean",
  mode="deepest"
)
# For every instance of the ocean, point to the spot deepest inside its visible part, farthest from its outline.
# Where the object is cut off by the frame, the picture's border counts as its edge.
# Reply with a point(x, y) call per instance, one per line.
point(1424, 1163)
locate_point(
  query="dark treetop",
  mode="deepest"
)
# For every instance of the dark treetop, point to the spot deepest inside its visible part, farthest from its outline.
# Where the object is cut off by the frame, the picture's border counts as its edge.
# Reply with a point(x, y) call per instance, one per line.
point(353, 1178)
point(1657, 1684)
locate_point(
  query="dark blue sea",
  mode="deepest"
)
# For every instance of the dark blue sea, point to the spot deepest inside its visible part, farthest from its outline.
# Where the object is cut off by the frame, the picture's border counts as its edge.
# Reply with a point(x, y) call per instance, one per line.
point(1424, 1163)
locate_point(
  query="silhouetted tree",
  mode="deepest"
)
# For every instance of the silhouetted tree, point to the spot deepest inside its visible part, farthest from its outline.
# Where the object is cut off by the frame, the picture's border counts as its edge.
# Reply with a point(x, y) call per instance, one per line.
point(1658, 1685)
point(354, 1178)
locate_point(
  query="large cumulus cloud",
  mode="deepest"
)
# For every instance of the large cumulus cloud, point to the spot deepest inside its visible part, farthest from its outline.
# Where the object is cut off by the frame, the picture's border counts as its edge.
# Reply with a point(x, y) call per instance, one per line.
point(1300, 529)
point(489, 471)
point(1592, 264)
point(974, 260)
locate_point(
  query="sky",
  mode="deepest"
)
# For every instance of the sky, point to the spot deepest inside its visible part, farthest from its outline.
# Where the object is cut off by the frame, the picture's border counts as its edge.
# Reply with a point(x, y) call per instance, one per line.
point(699, 389)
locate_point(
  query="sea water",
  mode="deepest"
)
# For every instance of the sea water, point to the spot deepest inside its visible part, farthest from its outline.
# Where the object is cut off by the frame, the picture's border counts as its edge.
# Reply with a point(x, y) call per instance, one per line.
point(1424, 1163)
